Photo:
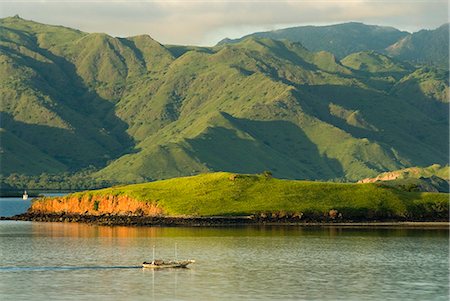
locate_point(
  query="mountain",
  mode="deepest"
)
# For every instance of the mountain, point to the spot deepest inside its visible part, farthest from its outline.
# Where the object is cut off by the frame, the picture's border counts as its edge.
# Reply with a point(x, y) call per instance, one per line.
point(340, 39)
point(424, 47)
point(428, 47)
point(139, 111)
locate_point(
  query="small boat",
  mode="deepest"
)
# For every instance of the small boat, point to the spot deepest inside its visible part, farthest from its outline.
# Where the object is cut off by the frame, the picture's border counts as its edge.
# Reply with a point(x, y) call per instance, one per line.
point(159, 264)
point(25, 195)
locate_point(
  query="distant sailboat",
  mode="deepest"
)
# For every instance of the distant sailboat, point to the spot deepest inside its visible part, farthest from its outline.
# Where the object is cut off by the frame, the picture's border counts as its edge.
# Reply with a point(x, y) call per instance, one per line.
point(25, 195)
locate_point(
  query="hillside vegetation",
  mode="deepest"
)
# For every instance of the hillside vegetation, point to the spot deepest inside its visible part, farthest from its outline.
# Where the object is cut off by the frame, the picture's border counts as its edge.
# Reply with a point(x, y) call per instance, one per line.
point(424, 47)
point(221, 194)
point(137, 110)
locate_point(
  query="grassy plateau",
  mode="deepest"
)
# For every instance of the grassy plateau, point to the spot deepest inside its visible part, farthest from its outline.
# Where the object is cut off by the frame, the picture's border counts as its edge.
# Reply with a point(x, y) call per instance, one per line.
point(229, 194)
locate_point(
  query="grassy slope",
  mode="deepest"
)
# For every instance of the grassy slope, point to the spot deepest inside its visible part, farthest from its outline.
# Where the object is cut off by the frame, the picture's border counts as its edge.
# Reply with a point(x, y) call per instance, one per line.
point(216, 194)
point(46, 104)
point(427, 83)
point(23, 156)
point(424, 47)
point(373, 62)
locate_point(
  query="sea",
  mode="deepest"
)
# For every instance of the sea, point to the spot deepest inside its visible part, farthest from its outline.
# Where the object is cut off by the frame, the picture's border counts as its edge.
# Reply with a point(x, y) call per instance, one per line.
point(69, 261)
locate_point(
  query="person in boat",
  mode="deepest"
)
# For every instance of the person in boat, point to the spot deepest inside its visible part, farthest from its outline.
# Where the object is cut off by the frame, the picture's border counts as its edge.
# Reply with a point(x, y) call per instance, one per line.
point(158, 262)
point(155, 262)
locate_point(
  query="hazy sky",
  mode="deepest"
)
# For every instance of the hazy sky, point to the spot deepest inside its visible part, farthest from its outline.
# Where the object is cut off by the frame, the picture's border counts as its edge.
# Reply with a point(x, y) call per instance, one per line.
point(199, 22)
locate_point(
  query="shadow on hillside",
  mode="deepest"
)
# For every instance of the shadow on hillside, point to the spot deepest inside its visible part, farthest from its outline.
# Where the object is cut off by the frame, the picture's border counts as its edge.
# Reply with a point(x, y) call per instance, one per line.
point(415, 96)
point(254, 146)
point(417, 134)
point(63, 145)
point(428, 209)
point(179, 50)
point(97, 134)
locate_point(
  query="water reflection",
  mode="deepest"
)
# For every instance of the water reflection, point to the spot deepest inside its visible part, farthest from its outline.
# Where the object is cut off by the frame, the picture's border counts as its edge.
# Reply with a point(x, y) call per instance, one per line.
point(86, 230)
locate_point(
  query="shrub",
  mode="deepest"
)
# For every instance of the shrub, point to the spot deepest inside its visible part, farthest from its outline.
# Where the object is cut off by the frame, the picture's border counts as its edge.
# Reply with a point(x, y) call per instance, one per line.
point(96, 204)
point(333, 213)
point(233, 177)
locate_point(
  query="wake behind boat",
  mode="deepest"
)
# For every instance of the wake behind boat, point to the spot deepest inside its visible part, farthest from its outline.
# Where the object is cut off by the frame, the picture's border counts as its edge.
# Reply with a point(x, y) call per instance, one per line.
point(158, 264)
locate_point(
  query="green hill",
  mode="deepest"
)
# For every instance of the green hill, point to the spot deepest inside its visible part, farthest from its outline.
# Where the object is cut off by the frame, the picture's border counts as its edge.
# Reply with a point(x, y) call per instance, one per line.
point(47, 104)
point(424, 47)
point(18, 155)
point(373, 62)
point(139, 111)
point(220, 194)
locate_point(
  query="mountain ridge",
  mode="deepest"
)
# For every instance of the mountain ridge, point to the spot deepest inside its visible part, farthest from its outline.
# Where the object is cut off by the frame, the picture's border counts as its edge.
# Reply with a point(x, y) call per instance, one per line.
point(428, 47)
point(139, 111)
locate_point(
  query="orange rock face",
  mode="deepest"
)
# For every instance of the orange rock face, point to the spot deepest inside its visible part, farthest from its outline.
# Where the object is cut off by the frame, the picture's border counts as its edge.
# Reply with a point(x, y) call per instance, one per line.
point(95, 205)
point(387, 176)
point(392, 175)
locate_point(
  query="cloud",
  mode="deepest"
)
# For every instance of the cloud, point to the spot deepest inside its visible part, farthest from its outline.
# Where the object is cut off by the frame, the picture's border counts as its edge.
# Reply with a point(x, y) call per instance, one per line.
point(205, 22)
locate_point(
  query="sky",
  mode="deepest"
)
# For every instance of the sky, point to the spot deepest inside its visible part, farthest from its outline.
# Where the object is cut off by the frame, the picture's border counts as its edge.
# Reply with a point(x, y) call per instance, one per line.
point(200, 22)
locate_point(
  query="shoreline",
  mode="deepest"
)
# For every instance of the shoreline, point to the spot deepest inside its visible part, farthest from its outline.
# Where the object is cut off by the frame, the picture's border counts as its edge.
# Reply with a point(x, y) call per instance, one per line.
point(222, 221)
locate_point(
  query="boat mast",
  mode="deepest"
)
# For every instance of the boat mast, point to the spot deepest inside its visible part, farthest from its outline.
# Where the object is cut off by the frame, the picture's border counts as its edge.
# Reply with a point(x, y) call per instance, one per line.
point(153, 253)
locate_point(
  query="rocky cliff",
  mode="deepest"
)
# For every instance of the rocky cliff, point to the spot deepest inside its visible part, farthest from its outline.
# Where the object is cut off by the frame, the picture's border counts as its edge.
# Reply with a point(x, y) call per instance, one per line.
point(95, 205)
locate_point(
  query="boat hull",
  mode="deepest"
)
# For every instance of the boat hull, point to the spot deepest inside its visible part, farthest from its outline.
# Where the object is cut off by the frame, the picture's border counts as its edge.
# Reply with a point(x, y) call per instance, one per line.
point(165, 265)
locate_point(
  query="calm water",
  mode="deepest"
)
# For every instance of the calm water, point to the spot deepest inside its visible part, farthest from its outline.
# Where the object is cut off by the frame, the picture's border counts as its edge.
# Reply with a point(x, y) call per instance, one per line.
point(57, 261)
point(13, 206)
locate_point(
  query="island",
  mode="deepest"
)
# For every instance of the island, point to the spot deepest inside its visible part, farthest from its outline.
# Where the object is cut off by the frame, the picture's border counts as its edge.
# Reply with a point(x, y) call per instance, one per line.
point(234, 199)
